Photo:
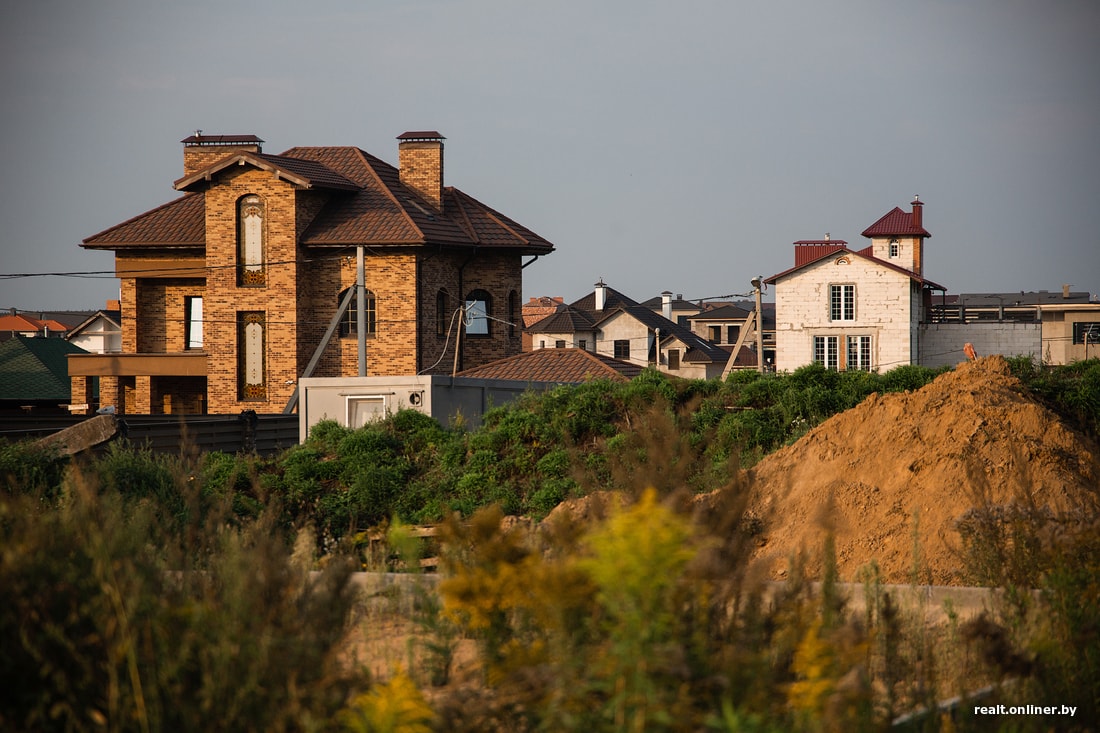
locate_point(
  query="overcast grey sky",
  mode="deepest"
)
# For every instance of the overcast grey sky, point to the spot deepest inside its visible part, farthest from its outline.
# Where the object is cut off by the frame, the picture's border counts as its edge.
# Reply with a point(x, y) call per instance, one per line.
point(659, 145)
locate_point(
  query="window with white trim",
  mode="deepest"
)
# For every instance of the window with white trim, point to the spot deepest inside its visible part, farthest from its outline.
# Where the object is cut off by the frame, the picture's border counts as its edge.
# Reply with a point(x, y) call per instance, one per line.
point(842, 302)
point(859, 353)
point(826, 351)
point(895, 248)
point(192, 304)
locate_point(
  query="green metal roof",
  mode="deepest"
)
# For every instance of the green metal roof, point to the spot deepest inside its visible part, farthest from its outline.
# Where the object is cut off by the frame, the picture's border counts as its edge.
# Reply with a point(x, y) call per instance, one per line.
point(36, 368)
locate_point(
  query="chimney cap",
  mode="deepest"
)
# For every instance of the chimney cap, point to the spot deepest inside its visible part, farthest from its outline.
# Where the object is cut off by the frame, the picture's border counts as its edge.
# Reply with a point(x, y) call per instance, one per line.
point(200, 139)
point(413, 135)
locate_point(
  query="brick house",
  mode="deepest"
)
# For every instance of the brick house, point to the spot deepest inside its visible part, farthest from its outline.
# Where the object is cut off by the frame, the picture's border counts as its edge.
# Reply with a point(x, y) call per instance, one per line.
point(229, 292)
point(855, 309)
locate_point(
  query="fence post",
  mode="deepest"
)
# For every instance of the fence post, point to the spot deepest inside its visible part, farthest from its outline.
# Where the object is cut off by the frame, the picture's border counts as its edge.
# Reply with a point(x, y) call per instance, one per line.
point(249, 422)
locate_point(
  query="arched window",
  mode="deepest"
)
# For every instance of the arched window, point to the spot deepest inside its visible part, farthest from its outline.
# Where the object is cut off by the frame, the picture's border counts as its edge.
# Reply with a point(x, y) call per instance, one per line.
point(349, 325)
point(442, 312)
point(250, 242)
point(251, 355)
point(479, 308)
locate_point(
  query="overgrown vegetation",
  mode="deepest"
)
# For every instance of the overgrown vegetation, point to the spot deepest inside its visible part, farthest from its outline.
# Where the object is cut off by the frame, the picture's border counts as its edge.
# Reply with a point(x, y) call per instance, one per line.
point(155, 593)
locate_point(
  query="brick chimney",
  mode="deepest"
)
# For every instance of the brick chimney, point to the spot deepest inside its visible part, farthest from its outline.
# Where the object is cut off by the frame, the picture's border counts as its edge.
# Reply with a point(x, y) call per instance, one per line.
point(918, 206)
point(200, 151)
point(420, 160)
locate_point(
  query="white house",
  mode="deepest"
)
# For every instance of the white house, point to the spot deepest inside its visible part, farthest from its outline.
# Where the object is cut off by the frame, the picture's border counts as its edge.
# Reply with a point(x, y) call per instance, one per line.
point(99, 334)
point(848, 309)
point(608, 323)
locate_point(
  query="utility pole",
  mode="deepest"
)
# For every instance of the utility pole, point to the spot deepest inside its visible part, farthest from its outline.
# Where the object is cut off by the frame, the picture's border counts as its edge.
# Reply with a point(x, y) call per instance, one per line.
point(757, 283)
point(361, 309)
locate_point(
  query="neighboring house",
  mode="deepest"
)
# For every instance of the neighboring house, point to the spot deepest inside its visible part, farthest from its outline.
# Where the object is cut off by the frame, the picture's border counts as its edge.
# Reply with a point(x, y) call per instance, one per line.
point(15, 323)
point(722, 325)
point(848, 309)
point(1054, 327)
point(231, 292)
point(610, 323)
point(534, 310)
point(34, 375)
point(675, 308)
point(564, 366)
point(99, 334)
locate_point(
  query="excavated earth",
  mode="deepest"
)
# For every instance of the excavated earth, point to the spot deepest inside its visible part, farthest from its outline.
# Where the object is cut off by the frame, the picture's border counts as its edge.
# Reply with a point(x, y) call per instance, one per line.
point(892, 476)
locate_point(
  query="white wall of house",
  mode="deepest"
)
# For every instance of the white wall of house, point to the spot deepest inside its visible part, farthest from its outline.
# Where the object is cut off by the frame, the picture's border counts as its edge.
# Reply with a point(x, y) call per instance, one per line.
point(99, 337)
point(886, 310)
point(572, 340)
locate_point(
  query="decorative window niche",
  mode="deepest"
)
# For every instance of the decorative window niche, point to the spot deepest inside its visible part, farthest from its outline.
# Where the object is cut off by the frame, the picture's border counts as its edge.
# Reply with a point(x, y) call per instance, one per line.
point(251, 266)
point(251, 360)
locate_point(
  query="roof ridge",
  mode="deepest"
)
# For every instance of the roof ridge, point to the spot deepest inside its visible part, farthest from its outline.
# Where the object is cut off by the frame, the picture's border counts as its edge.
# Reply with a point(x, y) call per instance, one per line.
point(388, 193)
point(466, 224)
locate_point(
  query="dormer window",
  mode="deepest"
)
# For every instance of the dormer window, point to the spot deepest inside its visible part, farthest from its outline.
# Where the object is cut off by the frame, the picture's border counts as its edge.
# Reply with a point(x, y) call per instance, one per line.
point(250, 242)
point(895, 248)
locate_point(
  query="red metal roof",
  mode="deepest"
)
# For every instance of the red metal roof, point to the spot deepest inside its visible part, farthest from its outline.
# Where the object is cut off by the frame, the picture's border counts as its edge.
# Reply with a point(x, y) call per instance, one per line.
point(896, 223)
point(865, 254)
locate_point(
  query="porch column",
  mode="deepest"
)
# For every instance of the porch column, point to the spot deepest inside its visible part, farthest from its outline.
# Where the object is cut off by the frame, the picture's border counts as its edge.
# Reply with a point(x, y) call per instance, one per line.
point(110, 393)
point(80, 390)
point(143, 396)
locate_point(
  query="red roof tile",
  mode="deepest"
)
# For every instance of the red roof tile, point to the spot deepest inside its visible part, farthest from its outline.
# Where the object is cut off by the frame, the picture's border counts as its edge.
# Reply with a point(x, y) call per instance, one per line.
point(896, 223)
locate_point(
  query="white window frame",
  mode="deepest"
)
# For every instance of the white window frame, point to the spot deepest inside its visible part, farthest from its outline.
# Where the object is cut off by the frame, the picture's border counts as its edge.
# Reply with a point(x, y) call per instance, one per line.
point(859, 353)
point(827, 351)
point(842, 302)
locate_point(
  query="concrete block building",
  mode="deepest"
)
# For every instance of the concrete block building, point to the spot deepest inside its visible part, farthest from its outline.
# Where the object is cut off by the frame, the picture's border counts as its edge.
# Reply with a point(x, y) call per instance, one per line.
point(228, 292)
point(855, 309)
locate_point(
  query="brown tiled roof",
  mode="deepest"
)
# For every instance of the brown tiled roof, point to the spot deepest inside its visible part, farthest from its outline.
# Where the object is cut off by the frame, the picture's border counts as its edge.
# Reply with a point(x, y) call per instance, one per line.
point(538, 308)
point(569, 366)
point(566, 320)
point(612, 300)
point(304, 173)
point(369, 205)
point(895, 223)
point(179, 223)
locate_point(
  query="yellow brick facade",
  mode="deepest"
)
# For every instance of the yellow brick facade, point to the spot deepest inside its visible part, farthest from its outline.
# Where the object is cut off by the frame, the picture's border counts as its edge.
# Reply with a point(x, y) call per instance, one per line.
point(297, 297)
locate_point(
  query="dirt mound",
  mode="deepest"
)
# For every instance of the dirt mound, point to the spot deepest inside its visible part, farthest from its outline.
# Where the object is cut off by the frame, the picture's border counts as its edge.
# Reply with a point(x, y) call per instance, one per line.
point(897, 471)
